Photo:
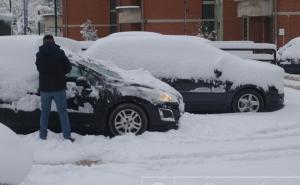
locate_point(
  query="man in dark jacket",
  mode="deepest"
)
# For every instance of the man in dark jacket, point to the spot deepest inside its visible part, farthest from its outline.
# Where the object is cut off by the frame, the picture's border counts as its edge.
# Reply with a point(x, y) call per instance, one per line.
point(53, 65)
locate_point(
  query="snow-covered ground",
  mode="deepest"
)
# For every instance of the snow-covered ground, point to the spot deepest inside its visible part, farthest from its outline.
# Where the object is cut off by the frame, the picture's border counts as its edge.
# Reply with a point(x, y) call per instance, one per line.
point(251, 144)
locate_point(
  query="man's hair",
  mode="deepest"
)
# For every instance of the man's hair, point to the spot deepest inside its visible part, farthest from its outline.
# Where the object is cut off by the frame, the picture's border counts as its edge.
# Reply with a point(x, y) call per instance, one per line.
point(48, 38)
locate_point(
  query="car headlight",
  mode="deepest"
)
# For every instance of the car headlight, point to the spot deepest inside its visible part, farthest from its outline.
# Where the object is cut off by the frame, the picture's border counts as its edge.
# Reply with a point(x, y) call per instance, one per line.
point(165, 97)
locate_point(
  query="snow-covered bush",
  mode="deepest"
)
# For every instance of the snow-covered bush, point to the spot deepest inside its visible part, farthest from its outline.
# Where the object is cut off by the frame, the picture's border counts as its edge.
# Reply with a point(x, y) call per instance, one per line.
point(15, 157)
point(88, 31)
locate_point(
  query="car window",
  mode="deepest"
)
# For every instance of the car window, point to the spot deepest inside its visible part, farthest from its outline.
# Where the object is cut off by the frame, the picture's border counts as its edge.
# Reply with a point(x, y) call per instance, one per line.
point(103, 70)
point(93, 79)
point(74, 73)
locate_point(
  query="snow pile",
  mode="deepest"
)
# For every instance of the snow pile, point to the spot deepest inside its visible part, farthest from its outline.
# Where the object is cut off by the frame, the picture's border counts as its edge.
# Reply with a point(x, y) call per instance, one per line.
point(184, 57)
point(15, 157)
point(290, 53)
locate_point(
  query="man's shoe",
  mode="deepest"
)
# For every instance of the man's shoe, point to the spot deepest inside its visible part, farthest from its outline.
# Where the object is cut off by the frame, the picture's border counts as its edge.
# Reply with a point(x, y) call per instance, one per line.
point(70, 139)
point(43, 138)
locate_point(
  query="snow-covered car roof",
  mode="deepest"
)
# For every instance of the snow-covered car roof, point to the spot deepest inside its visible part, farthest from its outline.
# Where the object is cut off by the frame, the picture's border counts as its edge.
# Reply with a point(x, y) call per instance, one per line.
point(134, 33)
point(85, 44)
point(15, 157)
point(290, 51)
point(246, 49)
point(184, 57)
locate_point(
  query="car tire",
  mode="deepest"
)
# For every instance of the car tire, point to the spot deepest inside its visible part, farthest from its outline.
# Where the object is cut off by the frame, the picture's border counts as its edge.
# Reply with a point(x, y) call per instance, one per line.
point(127, 118)
point(248, 101)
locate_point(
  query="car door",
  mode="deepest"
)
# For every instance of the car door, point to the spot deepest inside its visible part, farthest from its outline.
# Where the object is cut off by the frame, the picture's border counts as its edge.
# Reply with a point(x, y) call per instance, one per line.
point(81, 105)
point(19, 117)
point(201, 95)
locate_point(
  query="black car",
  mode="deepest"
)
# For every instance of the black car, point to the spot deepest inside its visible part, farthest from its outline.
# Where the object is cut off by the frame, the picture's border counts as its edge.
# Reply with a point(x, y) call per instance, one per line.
point(209, 79)
point(101, 99)
point(288, 56)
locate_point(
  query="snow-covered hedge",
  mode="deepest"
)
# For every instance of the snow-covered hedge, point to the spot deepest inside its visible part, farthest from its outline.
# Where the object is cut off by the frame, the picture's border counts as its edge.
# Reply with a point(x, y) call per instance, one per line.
point(184, 57)
point(15, 157)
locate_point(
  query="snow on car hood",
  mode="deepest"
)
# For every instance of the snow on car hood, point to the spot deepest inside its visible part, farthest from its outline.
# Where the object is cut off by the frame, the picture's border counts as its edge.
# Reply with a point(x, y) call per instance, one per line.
point(185, 58)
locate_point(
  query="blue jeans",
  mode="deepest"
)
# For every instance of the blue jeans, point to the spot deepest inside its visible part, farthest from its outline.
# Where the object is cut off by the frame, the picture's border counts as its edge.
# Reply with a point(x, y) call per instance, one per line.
point(60, 100)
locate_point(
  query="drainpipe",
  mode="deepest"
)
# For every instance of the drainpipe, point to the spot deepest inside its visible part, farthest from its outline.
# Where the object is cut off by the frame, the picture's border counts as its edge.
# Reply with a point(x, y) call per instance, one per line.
point(25, 12)
point(55, 17)
point(143, 15)
point(275, 23)
point(10, 6)
point(185, 15)
point(66, 18)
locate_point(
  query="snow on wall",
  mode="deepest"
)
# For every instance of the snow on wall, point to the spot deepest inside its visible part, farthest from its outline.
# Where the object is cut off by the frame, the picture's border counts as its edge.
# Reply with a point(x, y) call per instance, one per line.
point(15, 157)
point(186, 58)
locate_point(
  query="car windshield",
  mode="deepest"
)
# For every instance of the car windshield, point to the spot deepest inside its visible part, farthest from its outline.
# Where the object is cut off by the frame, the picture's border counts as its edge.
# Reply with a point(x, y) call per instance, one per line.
point(101, 69)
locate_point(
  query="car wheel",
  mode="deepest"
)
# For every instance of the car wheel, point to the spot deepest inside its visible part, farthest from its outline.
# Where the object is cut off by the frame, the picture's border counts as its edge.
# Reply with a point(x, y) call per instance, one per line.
point(248, 101)
point(127, 118)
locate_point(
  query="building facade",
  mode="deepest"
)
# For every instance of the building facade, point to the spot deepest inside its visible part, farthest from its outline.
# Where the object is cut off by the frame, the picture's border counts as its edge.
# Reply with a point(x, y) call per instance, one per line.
point(272, 21)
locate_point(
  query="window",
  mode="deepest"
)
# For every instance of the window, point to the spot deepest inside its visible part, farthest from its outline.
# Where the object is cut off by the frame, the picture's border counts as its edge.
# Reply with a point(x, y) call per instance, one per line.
point(92, 78)
point(208, 19)
point(74, 73)
point(246, 28)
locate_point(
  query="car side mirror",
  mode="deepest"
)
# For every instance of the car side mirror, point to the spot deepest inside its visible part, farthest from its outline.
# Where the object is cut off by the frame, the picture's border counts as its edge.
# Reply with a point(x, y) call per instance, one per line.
point(83, 82)
point(218, 73)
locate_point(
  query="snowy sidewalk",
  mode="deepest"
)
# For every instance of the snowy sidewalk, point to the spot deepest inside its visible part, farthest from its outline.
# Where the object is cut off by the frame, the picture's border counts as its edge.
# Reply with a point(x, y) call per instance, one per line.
point(292, 81)
point(260, 144)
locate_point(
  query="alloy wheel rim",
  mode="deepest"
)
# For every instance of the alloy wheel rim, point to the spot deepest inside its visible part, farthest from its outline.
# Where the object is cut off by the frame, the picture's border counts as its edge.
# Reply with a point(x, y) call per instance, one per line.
point(128, 121)
point(248, 103)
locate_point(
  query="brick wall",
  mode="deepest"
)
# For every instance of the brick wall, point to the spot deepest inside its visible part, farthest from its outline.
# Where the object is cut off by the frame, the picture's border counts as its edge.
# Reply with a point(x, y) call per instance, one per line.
point(77, 12)
point(169, 11)
point(232, 24)
point(289, 19)
point(167, 17)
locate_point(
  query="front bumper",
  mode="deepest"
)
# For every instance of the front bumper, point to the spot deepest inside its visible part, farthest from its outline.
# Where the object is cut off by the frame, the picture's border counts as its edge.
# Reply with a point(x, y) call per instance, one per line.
point(274, 101)
point(165, 117)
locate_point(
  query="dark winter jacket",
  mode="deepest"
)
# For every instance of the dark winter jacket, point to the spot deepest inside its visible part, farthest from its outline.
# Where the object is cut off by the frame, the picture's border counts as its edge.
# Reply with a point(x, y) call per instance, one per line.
point(53, 65)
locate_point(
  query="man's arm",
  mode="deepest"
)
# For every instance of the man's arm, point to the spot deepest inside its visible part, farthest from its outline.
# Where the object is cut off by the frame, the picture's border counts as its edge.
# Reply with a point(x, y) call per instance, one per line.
point(66, 63)
point(37, 62)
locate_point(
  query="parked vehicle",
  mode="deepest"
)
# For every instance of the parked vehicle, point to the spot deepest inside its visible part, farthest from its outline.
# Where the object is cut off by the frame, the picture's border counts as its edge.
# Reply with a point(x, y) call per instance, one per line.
point(249, 50)
point(101, 97)
point(209, 79)
point(289, 56)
